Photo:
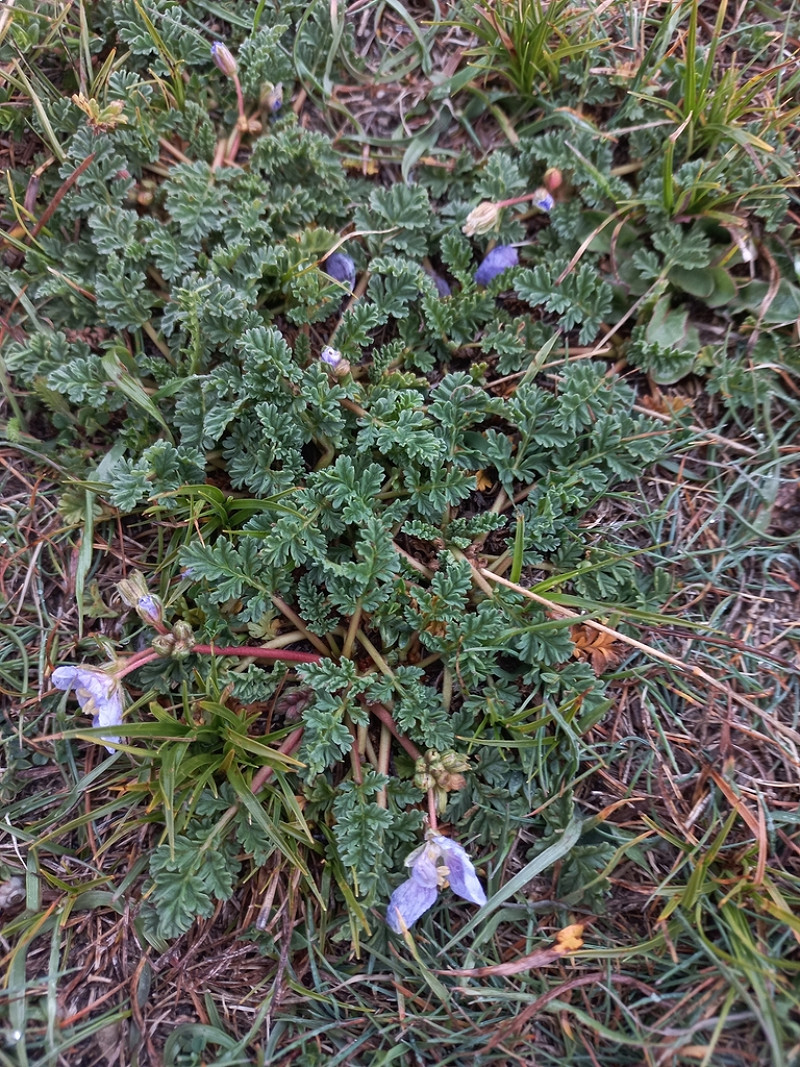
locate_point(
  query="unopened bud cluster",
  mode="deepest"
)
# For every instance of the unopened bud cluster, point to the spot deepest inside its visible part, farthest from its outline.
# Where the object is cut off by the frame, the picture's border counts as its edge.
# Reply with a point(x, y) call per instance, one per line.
point(441, 771)
point(178, 644)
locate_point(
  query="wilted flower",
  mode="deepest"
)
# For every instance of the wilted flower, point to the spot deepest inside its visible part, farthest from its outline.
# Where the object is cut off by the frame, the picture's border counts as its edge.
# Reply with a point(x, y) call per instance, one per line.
point(543, 200)
point(482, 218)
point(223, 58)
point(495, 262)
point(99, 694)
point(435, 865)
point(341, 268)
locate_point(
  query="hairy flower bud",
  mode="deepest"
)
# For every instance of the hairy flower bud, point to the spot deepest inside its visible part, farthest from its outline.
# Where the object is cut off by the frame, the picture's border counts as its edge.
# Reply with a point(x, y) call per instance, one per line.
point(149, 609)
point(133, 591)
point(184, 639)
point(552, 179)
point(163, 644)
point(272, 98)
point(223, 58)
point(442, 285)
point(482, 218)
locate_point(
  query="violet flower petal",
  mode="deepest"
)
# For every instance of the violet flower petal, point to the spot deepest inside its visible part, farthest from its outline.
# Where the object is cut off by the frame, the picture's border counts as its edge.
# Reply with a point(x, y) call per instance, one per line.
point(411, 899)
point(341, 268)
point(462, 877)
point(495, 262)
point(97, 692)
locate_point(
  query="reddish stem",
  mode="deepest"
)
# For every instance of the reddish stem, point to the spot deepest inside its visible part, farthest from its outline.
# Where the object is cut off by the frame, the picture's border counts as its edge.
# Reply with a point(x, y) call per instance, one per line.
point(136, 661)
point(287, 747)
point(432, 819)
point(258, 653)
point(380, 712)
point(517, 199)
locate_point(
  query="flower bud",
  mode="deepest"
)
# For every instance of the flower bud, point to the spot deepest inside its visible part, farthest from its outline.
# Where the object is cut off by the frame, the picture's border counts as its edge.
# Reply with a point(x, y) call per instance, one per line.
point(223, 58)
point(163, 644)
point(133, 589)
point(149, 610)
point(543, 200)
point(272, 101)
point(482, 218)
point(552, 179)
point(184, 639)
point(442, 285)
point(454, 761)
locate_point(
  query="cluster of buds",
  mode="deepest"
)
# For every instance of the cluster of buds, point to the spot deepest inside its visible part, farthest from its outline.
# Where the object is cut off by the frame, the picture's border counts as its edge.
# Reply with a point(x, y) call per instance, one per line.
point(442, 772)
point(177, 644)
point(101, 119)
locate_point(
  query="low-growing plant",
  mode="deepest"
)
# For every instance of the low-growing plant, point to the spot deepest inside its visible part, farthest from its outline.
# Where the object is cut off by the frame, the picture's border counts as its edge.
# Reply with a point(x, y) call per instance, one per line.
point(367, 435)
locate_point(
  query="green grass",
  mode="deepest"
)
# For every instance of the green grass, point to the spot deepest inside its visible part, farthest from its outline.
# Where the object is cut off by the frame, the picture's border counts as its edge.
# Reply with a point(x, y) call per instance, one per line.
point(620, 668)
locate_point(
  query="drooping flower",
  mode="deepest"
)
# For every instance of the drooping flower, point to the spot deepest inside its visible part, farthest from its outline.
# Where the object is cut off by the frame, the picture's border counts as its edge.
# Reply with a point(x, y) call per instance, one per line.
point(133, 591)
point(341, 268)
point(223, 58)
point(99, 693)
point(435, 865)
point(495, 262)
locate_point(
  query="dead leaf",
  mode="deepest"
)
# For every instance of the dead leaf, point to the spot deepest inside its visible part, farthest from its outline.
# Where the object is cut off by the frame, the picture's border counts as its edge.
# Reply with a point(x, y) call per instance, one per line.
point(597, 647)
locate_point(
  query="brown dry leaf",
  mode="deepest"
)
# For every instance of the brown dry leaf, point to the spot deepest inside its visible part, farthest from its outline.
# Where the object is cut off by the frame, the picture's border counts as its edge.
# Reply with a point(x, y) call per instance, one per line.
point(483, 481)
point(666, 404)
point(567, 940)
point(596, 646)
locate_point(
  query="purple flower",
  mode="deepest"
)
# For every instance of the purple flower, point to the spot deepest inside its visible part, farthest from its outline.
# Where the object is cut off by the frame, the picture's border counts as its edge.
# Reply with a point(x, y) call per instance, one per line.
point(331, 356)
point(495, 262)
point(98, 693)
point(341, 268)
point(436, 864)
point(442, 285)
